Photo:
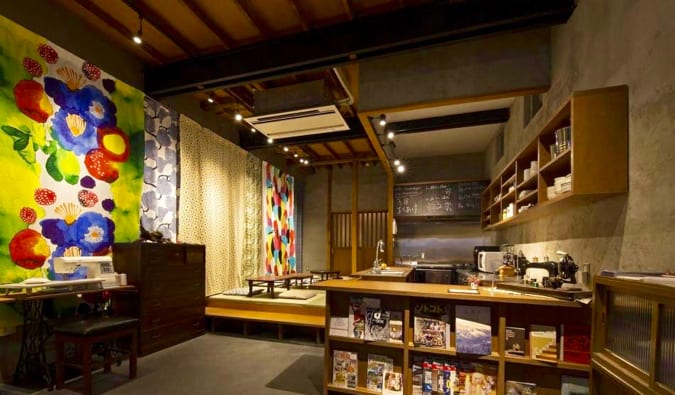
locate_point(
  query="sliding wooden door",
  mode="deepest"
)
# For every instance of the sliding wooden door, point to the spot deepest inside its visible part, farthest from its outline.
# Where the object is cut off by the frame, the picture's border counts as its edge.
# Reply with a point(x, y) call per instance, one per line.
point(372, 226)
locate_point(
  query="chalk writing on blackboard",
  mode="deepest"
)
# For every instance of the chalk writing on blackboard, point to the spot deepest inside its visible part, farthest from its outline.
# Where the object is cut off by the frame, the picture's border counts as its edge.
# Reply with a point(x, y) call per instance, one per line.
point(460, 198)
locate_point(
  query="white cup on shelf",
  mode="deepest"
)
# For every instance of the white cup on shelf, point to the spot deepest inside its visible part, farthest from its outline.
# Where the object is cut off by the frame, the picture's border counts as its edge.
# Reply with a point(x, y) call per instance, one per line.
point(526, 174)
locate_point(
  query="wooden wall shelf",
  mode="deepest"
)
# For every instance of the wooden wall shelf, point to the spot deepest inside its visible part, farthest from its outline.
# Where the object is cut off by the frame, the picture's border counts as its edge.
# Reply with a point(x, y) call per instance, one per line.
point(597, 158)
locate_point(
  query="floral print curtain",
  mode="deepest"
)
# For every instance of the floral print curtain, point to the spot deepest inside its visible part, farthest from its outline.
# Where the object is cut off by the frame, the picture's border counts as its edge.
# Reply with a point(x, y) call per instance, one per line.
point(159, 203)
point(279, 221)
point(213, 202)
point(71, 178)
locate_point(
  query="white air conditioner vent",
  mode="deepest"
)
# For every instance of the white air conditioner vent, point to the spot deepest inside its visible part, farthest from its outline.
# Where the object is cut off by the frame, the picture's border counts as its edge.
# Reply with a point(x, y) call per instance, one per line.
point(324, 119)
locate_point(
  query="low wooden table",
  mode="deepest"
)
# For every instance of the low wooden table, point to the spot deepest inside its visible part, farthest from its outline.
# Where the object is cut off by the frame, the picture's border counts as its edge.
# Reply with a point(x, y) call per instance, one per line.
point(269, 280)
point(326, 274)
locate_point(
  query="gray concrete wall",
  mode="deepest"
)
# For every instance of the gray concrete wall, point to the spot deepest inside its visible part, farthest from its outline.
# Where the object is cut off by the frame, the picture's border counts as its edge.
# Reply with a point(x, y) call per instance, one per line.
point(471, 68)
point(315, 218)
point(439, 168)
point(605, 43)
point(48, 20)
point(372, 188)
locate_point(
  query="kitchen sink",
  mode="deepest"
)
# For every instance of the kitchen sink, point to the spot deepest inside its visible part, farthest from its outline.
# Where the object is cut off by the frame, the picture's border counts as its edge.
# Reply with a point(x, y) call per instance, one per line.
point(386, 272)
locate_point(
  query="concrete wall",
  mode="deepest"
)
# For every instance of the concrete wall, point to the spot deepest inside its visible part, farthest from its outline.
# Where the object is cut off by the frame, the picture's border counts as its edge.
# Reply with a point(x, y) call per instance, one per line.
point(605, 43)
point(471, 68)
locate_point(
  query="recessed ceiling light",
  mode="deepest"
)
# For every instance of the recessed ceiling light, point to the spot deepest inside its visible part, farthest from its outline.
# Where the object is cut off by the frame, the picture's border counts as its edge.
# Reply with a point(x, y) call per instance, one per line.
point(397, 162)
point(238, 117)
point(295, 155)
point(390, 135)
point(383, 120)
point(285, 149)
point(252, 130)
point(400, 169)
point(210, 100)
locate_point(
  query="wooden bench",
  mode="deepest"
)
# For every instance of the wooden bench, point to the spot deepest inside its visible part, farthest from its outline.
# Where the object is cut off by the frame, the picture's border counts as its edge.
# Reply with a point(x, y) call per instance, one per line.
point(280, 314)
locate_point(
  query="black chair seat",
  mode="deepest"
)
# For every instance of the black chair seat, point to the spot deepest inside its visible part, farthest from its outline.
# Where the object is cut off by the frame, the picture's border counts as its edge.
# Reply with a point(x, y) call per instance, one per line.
point(96, 326)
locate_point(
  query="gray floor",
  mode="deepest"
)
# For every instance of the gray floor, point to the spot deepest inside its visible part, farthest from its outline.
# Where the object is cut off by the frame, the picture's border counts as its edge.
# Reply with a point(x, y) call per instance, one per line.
point(215, 364)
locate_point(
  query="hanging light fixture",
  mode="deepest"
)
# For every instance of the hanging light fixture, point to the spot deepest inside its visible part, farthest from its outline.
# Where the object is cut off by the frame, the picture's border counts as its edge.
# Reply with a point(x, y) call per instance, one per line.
point(390, 135)
point(270, 140)
point(237, 115)
point(137, 37)
point(397, 162)
point(211, 99)
point(400, 168)
point(383, 120)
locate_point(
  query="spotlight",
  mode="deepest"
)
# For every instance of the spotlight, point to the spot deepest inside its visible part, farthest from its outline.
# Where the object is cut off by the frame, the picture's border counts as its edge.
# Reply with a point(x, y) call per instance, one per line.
point(238, 117)
point(252, 130)
point(270, 140)
point(306, 161)
point(285, 149)
point(137, 37)
point(397, 162)
point(390, 135)
point(383, 120)
point(400, 168)
point(210, 99)
point(295, 155)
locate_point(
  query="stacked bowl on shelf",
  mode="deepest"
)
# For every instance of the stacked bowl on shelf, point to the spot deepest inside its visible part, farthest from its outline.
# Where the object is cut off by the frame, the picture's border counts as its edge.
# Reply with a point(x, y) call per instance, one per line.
point(560, 185)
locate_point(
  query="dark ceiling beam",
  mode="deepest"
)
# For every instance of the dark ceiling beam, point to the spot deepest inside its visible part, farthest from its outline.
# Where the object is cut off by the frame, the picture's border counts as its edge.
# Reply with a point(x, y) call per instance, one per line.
point(301, 14)
point(349, 147)
point(344, 161)
point(476, 118)
point(250, 141)
point(242, 95)
point(163, 26)
point(309, 151)
point(123, 30)
point(210, 23)
point(331, 151)
point(254, 17)
point(368, 37)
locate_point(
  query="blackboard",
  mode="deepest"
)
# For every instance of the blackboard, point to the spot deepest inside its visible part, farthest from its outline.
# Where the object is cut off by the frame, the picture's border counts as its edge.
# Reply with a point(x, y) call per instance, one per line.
point(447, 199)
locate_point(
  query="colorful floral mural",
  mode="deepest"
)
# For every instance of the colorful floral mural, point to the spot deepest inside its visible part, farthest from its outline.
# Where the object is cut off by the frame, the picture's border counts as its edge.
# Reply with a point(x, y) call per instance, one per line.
point(159, 204)
point(279, 232)
point(71, 150)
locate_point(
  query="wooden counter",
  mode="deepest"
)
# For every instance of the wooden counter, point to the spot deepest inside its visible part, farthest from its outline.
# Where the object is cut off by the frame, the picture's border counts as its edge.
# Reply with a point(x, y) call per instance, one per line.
point(438, 291)
point(383, 276)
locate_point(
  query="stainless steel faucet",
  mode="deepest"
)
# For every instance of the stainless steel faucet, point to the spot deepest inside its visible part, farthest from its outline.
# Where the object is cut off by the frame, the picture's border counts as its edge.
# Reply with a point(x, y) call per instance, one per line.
point(378, 248)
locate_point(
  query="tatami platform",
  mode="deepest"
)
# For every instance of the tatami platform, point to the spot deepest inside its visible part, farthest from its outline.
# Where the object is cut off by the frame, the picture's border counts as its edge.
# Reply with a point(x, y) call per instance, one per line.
point(285, 313)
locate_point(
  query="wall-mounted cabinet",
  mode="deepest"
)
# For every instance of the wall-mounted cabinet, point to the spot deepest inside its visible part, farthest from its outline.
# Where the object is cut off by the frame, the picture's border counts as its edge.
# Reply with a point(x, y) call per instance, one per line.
point(479, 344)
point(582, 152)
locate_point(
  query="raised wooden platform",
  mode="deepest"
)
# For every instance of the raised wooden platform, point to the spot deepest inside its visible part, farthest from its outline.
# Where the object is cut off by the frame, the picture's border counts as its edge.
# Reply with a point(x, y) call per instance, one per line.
point(285, 313)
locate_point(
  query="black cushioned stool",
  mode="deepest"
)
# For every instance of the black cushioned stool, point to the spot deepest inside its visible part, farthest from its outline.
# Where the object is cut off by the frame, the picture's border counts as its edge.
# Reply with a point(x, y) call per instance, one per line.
point(84, 334)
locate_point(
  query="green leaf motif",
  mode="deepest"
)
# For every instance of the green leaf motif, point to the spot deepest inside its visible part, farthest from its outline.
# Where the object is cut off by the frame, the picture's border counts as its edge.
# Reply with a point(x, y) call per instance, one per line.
point(21, 143)
point(14, 132)
point(53, 169)
point(21, 140)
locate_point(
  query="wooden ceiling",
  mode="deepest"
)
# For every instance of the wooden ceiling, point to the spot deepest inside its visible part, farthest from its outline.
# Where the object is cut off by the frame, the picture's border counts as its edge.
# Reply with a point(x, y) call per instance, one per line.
point(227, 50)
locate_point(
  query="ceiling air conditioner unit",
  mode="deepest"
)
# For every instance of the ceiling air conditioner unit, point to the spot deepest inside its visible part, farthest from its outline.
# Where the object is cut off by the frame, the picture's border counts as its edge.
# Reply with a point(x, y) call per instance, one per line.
point(323, 119)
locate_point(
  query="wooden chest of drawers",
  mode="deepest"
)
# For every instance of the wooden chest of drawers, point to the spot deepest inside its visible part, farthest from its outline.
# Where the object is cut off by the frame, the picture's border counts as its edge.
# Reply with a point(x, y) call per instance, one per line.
point(170, 300)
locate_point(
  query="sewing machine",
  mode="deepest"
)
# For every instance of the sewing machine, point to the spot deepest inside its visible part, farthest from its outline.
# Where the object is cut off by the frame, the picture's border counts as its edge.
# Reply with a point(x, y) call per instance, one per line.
point(98, 267)
point(557, 273)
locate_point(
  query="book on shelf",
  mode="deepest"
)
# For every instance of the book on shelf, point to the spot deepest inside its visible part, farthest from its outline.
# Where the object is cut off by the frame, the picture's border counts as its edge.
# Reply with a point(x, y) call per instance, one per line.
point(377, 324)
point(572, 385)
point(396, 326)
point(357, 317)
point(345, 369)
point(393, 383)
point(417, 376)
point(481, 381)
point(576, 343)
point(436, 376)
point(543, 345)
point(426, 377)
point(339, 326)
point(520, 388)
point(431, 325)
point(473, 330)
point(450, 384)
point(377, 365)
point(514, 341)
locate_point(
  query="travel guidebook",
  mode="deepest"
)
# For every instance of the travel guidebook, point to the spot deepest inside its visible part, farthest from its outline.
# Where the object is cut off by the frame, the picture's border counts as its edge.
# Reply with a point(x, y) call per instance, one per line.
point(396, 326)
point(345, 368)
point(432, 327)
point(473, 330)
point(357, 318)
point(377, 365)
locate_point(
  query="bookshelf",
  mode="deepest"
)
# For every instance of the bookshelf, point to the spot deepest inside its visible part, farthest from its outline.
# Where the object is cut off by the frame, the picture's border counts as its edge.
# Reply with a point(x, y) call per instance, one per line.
point(505, 309)
point(595, 157)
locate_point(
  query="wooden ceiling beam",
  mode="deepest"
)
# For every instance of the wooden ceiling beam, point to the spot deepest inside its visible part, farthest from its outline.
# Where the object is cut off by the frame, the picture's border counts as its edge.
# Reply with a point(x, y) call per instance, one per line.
point(416, 27)
point(331, 151)
point(309, 151)
point(210, 23)
point(349, 147)
point(343, 161)
point(254, 17)
point(476, 118)
point(123, 30)
point(301, 14)
point(163, 26)
point(242, 95)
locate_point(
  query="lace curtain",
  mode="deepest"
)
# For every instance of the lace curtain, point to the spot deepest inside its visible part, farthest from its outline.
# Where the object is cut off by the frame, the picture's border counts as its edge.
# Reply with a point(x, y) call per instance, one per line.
point(213, 202)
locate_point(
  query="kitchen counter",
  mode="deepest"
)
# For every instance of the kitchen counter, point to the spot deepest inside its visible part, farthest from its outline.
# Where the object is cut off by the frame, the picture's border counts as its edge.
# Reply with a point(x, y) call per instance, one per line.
point(392, 273)
point(485, 278)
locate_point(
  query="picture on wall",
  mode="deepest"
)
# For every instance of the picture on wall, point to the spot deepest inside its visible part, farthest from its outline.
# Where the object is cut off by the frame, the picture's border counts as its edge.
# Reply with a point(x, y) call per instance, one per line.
point(279, 225)
point(71, 149)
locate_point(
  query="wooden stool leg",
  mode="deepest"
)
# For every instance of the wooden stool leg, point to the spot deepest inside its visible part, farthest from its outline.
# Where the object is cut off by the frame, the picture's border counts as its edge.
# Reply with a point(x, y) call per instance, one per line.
point(133, 355)
point(86, 366)
point(60, 362)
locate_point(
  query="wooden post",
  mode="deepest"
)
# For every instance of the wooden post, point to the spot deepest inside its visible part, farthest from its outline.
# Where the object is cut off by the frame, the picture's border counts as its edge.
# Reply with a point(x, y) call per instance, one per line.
point(355, 213)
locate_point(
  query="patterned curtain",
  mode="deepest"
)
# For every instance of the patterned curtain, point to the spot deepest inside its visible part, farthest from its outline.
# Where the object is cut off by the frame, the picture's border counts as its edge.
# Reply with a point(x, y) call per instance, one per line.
point(212, 202)
point(278, 211)
point(159, 203)
point(253, 236)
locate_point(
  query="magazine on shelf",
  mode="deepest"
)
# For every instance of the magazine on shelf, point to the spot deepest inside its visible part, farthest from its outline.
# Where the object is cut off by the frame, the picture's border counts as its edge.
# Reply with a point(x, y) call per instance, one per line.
point(520, 388)
point(543, 345)
point(450, 385)
point(482, 380)
point(377, 324)
point(377, 365)
point(572, 385)
point(357, 317)
point(576, 343)
point(436, 376)
point(473, 330)
point(514, 341)
point(417, 376)
point(345, 369)
point(431, 325)
point(393, 383)
point(396, 326)
point(339, 326)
